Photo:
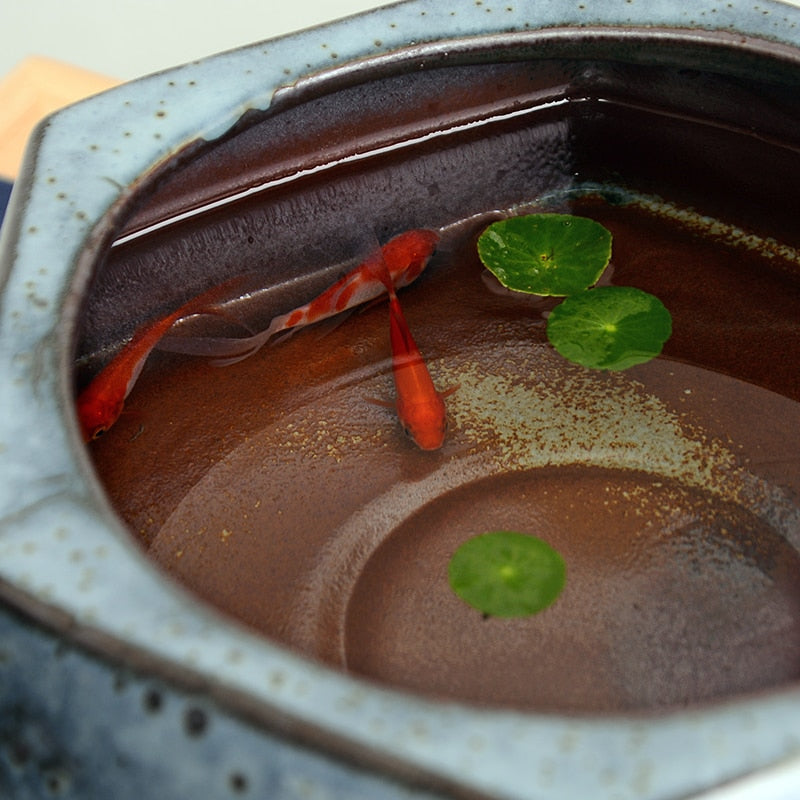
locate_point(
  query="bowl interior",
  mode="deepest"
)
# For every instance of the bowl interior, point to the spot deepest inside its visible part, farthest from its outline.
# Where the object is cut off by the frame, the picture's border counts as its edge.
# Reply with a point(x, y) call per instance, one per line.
point(276, 491)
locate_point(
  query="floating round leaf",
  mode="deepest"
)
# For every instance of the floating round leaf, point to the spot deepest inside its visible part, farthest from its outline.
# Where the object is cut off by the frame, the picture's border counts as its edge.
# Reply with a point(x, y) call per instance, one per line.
point(546, 254)
point(507, 574)
point(610, 327)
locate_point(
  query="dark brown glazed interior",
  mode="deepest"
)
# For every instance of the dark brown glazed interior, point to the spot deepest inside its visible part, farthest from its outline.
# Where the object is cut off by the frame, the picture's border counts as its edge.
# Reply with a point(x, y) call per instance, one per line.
point(274, 490)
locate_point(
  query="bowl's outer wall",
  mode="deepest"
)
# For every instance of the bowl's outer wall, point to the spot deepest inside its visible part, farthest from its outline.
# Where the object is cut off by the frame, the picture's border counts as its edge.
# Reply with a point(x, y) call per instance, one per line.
point(64, 555)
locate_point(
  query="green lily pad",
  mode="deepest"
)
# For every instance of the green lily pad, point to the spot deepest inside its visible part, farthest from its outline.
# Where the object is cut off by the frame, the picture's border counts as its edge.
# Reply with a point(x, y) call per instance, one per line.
point(610, 327)
point(507, 574)
point(546, 254)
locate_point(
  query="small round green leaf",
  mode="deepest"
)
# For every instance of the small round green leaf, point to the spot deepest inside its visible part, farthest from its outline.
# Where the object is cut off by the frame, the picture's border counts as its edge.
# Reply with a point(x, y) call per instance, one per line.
point(610, 327)
point(507, 574)
point(546, 254)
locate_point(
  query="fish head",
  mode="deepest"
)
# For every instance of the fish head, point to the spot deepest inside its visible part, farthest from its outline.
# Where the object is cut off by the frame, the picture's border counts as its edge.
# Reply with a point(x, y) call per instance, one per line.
point(96, 416)
point(408, 254)
point(425, 423)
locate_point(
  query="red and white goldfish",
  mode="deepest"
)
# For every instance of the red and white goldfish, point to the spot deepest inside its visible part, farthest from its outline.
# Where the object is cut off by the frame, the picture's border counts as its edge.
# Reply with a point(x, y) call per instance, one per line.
point(101, 402)
point(420, 407)
point(406, 255)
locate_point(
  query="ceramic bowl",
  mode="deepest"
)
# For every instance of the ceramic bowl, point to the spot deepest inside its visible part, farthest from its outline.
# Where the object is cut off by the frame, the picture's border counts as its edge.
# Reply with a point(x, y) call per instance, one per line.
point(278, 153)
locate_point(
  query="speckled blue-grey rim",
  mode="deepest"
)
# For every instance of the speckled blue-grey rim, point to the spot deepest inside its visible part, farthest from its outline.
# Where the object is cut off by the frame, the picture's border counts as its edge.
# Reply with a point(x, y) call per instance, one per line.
point(66, 557)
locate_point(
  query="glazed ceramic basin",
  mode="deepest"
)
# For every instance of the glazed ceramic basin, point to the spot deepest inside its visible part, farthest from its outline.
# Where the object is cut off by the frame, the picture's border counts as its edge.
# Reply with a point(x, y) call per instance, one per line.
point(177, 163)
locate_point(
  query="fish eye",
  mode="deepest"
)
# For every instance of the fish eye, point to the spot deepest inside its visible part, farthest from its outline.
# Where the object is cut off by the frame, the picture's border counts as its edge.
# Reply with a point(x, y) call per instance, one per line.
point(98, 433)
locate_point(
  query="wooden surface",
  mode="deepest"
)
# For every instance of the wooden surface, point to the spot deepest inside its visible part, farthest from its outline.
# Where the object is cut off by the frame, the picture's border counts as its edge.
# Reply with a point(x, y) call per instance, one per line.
point(33, 89)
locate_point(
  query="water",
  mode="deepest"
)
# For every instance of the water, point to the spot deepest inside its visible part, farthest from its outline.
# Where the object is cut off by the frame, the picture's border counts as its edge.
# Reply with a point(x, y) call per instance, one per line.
point(276, 491)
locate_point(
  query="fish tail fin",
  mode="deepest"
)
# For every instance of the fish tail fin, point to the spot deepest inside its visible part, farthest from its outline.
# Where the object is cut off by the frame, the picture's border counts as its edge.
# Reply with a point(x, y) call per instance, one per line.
point(224, 314)
point(209, 301)
point(235, 359)
point(221, 349)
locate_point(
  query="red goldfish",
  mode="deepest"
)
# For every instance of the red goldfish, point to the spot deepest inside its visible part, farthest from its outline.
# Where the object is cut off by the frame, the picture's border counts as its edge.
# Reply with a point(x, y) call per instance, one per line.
point(100, 403)
point(420, 408)
point(406, 255)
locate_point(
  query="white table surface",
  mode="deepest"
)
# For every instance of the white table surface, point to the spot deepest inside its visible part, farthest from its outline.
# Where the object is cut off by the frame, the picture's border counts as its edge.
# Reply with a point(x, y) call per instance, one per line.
point(126, 39)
